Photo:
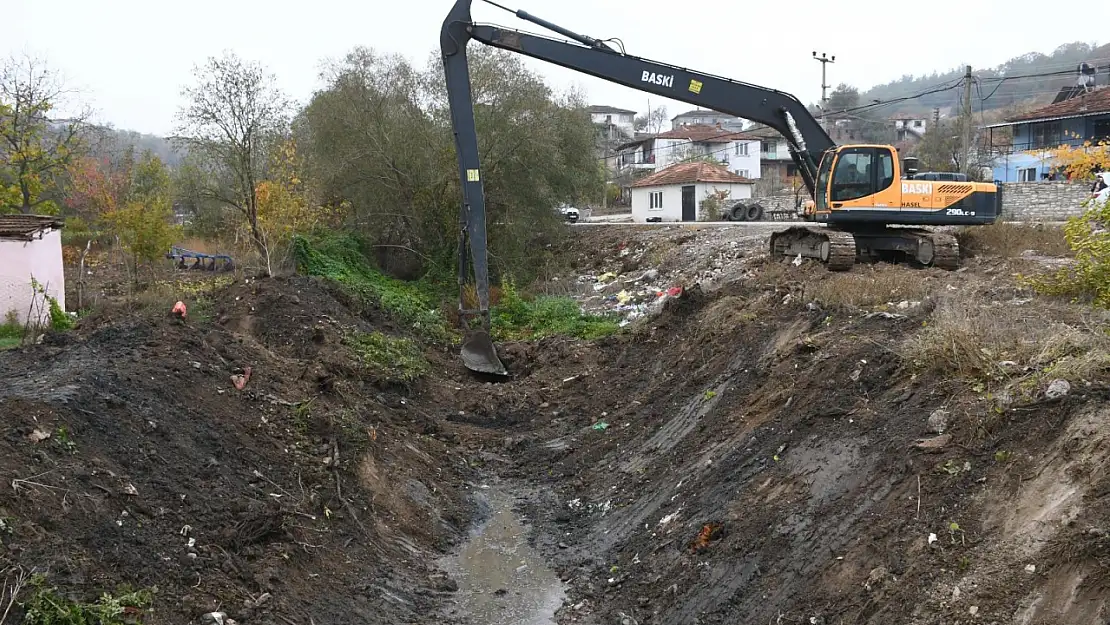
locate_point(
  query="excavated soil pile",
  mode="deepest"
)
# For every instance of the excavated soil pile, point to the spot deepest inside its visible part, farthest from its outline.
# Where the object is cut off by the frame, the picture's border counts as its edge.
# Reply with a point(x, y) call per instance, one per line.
point(131, 457)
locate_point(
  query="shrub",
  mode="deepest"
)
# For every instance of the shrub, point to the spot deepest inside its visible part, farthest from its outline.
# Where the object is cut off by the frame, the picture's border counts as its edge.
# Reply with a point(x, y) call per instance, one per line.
point(1088, 236)
point(390, 359)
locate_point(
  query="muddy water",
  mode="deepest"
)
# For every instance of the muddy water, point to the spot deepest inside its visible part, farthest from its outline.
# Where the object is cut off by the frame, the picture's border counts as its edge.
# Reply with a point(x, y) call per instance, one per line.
point(502, 580)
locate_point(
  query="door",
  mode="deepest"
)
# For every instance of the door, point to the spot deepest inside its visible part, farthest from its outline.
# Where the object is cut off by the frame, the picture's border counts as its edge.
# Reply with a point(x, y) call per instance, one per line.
point(689, 209)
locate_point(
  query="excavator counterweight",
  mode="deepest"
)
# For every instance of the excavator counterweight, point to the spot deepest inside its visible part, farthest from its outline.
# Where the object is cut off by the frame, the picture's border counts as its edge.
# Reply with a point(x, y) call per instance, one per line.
point(860, 192)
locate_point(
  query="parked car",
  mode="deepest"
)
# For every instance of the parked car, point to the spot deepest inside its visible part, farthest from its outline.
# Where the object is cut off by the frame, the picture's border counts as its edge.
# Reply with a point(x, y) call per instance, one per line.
point(569, 213)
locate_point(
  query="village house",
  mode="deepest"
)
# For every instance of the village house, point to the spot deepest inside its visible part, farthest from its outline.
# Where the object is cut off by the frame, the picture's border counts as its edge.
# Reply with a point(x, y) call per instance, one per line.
point(705, 117)
point(737, 151)
point(619, 123)
point(676, 193)
point(1071, 122)
point(30, 248)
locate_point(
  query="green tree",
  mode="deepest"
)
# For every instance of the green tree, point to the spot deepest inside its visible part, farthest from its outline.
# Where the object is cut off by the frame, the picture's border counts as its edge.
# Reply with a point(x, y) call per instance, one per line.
point(379, 138)
point(35, 144)
point(234, 110)
point(144, 222)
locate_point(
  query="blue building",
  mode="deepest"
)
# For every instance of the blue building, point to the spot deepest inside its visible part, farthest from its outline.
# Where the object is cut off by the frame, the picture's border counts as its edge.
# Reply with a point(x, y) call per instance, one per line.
point(1085, 117)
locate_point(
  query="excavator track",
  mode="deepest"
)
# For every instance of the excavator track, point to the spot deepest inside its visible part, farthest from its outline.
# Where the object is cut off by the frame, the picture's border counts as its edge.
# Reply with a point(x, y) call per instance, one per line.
point(946, 251)
point(835, 248)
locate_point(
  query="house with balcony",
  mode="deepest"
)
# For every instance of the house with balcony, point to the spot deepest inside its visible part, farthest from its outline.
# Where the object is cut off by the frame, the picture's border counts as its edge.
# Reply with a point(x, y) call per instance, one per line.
point(777, 168)
point(737, 151)
point(1072, 122)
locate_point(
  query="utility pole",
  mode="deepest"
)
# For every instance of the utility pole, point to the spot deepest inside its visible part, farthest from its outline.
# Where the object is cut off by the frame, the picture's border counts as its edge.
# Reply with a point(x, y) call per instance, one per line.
point(825, 60)
point(966, 115)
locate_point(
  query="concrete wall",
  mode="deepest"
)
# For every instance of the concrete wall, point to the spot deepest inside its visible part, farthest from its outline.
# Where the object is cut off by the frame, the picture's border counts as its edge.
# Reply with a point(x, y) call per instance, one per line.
point(1043, 201)
point(19, 260)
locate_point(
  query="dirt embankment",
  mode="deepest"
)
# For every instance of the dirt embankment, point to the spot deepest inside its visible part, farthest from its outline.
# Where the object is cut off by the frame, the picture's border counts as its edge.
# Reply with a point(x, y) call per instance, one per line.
point(792, 447)
point(801, 447)
point(310, 495)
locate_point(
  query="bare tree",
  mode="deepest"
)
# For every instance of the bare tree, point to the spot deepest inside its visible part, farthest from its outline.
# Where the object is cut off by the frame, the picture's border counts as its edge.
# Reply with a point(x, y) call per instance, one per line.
point(653, 122)
point(36, 142)
point(234, 110)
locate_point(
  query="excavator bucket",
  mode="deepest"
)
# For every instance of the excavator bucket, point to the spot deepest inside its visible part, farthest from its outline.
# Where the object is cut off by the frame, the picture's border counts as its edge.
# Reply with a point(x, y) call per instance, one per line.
point(479, 354)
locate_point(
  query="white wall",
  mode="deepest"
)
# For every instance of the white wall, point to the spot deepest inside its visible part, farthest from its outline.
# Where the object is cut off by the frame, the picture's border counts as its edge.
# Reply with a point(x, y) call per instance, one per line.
point(672, 203)
point(672, 199)
point(746, 161)
point(671, 151)
point(19, 260)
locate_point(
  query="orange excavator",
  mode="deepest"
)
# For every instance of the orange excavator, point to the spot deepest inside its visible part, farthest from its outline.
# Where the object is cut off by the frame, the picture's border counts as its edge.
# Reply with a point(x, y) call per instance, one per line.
point(863, 204)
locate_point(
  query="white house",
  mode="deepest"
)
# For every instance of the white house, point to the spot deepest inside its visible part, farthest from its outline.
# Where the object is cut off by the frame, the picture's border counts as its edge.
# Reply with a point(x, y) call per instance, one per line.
point(737, 151)
point(705, 117)
point(676, 193)
point(622, 120)
point(30, 247)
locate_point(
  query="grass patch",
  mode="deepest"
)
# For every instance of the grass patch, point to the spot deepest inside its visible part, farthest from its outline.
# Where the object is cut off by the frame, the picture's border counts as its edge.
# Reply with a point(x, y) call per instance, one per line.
point(517, 317)
point(867, 287)
point(340, 259)
point(1010, 240)
point(390, 359)
point(46, 606)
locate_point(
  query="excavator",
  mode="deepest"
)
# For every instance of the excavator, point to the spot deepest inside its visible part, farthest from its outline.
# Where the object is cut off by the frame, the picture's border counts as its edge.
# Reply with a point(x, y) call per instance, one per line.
point(865, 202)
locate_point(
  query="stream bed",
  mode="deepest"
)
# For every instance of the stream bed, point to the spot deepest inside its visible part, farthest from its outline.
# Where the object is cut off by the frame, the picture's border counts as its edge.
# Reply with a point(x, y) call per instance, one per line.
point(502, 580)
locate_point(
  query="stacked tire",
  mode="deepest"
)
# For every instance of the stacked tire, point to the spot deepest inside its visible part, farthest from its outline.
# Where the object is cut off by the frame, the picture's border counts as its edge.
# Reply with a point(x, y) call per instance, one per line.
point(743, 211)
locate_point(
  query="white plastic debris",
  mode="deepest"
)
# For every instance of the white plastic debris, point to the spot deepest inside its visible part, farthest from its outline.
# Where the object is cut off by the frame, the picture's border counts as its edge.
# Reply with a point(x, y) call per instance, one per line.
point(932, 538)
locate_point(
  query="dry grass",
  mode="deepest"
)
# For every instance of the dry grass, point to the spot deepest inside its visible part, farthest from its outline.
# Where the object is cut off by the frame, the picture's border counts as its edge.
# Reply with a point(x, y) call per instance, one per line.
point(869, 286)
point(1006, 343)
point(1011, 240)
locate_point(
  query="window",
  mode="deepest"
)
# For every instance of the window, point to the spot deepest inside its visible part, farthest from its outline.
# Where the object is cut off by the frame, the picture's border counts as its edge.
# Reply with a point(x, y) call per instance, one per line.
point(743, 173)
point(655, 200)
point(741, 148)
point(852, 176)
point(861, 172)
point(1046, 135)
point(917, 123)
point(1027, 175)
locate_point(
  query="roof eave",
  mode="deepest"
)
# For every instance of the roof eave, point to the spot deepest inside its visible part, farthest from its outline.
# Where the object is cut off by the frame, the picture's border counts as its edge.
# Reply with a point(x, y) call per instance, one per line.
point(1050, 118)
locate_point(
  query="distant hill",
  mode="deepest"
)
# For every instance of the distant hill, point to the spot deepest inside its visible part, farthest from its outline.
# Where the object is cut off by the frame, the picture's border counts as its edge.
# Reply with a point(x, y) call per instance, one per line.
point(1061, 64)
point(113, 139)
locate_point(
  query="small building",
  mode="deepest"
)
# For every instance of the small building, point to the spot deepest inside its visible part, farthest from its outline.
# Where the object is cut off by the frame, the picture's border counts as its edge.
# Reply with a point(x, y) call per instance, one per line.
point(705, 117)
point(30, 248)
point(617, 121)
point(1069, 122)
point(676, 193)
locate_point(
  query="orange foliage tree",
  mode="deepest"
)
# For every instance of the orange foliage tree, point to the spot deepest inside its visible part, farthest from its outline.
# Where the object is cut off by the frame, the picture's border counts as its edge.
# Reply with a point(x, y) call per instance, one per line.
point(1078, 162)
point(285, 207)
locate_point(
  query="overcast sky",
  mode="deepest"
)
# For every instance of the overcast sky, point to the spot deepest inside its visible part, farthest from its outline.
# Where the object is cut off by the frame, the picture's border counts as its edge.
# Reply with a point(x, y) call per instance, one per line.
point(132, 57)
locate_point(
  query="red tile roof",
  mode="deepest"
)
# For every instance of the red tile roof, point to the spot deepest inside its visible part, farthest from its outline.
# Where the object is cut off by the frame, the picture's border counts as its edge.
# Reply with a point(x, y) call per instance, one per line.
point(704, 133)
point(1092, 103)
point(25, 227)
point(689, 173)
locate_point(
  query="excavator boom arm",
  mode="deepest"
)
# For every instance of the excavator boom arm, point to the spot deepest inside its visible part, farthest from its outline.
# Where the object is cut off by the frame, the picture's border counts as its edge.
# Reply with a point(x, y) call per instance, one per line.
point(776, 109)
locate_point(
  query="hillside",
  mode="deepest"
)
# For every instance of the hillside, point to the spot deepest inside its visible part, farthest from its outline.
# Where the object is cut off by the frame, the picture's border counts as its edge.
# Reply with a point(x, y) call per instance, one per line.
point(1052, 71)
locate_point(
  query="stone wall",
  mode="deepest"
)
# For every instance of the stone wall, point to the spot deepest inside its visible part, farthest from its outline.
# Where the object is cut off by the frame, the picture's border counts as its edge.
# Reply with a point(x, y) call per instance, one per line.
point(1043, 201)
point(1021, 201)
point(778, 203)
